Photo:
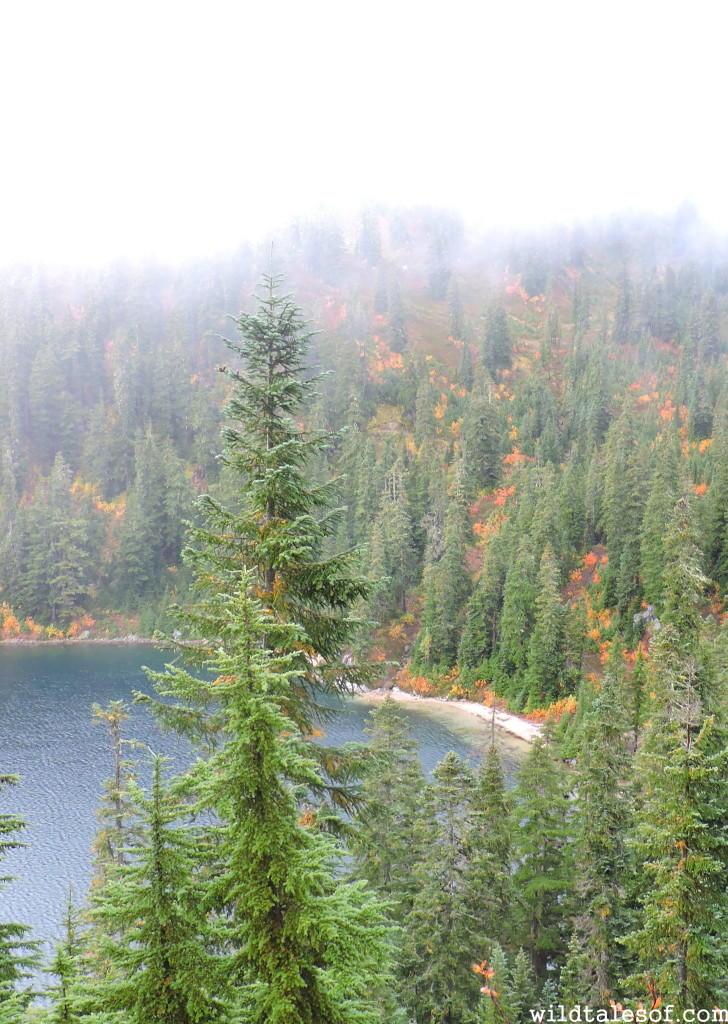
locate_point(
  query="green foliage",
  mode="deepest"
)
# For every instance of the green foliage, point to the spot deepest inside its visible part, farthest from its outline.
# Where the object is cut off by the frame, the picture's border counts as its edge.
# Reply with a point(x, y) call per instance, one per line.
point(156, 942)
point(683, 769)
point(280, 521)
point(442, 931)
point(603, 816)
point(543, 855)
point(547, 646)
point(18, 953)
point(448, 584)
point(387, 839)
point(304, 946)
point(496, 345)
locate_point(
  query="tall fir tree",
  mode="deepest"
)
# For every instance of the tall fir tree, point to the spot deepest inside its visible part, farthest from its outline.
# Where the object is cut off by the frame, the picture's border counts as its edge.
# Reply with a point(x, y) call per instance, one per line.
point(279, 520)
point(18, 953)
point(305, 947)
point(443, 929)
point(490, 850)
point(544, 876)
point(603, 817)
point(547, 646)
point(387, 841)
point(157, 942)
point(683, 767)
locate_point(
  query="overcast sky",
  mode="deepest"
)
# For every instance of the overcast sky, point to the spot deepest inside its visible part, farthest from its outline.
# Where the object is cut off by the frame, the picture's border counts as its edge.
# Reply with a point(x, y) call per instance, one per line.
point(175, 129)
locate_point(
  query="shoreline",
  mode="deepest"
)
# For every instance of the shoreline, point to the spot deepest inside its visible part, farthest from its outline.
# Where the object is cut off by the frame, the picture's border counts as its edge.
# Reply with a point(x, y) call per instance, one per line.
point(510, 723)
point(28, 641)
point(505, 720)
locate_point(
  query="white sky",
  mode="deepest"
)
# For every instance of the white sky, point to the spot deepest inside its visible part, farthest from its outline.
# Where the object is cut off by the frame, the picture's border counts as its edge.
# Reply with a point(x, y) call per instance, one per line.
point(182, 128)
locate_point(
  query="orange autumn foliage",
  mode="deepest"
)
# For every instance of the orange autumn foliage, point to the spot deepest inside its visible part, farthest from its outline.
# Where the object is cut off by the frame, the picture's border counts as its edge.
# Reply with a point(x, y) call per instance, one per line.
point(564, 706)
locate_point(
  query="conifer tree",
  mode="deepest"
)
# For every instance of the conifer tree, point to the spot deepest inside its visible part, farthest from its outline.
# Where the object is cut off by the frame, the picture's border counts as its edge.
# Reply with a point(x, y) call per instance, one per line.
point(387, 839)
point(12, 541)
point(659, 505)
point(683, 767)
point(490, 849)
point(572, 500)
point(496, 343)
point(455, 311)
point(57, 573)
point(448, 583)
point(543, 877)
point(397, 319)
point(156, 940)
point(480, 631)
point(68, 965)
point(717, 524)
point(306, 948)
point(602, 864)
point(517, 618)
point(116, 814)
point(481, 436)
point(547, 647)
point(494, 1006)
point(18, 953)
point(279, 521)
point(442, 930)
point(392, 557)
point(523, 989)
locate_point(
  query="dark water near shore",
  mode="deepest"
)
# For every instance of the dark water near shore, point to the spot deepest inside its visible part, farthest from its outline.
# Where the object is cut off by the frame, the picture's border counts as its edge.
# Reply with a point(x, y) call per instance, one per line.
point(47, 736)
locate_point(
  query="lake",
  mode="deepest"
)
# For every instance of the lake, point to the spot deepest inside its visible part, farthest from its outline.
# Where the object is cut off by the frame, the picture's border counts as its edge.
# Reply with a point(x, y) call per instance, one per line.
point(47, 736)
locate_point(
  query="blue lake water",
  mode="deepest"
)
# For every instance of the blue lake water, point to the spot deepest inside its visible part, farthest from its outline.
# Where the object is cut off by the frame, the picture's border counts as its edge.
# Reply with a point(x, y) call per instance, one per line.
point(48, 737)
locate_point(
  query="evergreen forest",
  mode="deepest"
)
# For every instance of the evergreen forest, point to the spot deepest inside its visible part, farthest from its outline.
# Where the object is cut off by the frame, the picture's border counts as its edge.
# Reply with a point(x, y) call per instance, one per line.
point(385, 450)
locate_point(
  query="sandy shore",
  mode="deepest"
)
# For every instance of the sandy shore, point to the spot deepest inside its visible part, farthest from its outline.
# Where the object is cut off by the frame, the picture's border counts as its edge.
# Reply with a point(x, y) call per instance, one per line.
point(512, 724)
point(29, 641)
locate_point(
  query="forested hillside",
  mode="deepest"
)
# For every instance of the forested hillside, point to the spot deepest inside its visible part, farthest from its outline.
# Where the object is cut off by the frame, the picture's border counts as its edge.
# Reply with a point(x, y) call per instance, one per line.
point(528, 506)
point(522, 415)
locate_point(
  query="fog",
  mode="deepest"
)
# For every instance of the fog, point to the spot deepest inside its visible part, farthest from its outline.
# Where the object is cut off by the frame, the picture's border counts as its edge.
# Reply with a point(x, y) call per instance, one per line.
point(142, 130)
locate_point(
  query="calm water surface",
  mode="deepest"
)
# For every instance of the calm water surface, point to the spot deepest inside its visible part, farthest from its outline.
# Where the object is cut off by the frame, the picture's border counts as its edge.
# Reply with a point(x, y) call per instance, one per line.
point(47, 736)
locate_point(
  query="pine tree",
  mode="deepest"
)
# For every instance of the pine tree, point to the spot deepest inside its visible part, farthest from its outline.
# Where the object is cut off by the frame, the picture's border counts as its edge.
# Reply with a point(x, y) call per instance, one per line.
point(442, 932)
point(156, 940)
point(68, 965)
point(57, 577)
point(523, 989)
point(397, 319)
point(392, 557)
point(280, 521)
point(547, 648)
point(12, 541)
point(482, 437)
point(495, 1002)
point(17, 952)
point(386, 840)
point(519, 609)
point(490, 849)
point(661, 501)
point(306, 947)
point(116, 814)
point(480, 631)
point(717, 524)
point(603, 820)
point(496, 345)
point(683, 767)
point(438, 264)
point(543, 877)
point(448, 585)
